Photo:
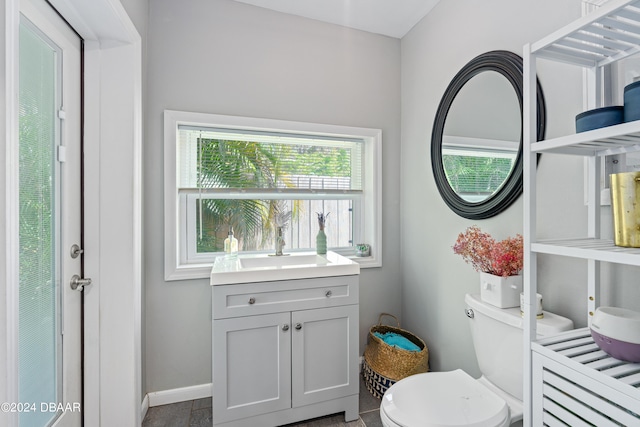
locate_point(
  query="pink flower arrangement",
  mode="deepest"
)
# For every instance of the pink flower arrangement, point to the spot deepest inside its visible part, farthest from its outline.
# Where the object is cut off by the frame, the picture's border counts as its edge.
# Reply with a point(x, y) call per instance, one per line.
point(485, 254)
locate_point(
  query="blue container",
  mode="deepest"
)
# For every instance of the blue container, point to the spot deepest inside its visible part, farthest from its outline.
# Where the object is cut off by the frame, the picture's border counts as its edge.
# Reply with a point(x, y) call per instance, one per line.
point(599, 118)
point(632, 102)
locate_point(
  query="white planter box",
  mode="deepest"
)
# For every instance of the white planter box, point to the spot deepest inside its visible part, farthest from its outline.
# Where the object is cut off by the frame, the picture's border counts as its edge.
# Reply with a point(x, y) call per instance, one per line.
point(503, 292)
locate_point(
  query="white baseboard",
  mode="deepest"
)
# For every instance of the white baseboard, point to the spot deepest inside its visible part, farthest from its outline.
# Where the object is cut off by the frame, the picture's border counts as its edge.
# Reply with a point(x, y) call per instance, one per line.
point(175, 395)
point(145, 407)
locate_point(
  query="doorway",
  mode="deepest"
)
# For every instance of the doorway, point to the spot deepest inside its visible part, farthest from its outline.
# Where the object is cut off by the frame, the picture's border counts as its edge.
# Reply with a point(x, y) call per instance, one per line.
point(112, 124)
point(49, 312)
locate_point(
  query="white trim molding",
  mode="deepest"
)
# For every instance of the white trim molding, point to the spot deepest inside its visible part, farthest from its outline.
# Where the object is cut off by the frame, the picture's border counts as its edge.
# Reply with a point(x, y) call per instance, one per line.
point(9, 211)
point(145, 407)
point(181, 394)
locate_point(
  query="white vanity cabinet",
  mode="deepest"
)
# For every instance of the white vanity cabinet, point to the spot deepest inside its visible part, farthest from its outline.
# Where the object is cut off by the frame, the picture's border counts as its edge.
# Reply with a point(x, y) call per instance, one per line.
point(285, 351)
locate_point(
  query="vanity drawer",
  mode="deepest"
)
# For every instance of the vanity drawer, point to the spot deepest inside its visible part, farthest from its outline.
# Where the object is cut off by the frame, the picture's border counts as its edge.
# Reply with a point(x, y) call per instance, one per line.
point(249, 299)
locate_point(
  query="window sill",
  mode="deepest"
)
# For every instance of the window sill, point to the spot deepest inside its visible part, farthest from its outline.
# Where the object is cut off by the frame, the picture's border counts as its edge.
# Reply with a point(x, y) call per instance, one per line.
point(366, 261)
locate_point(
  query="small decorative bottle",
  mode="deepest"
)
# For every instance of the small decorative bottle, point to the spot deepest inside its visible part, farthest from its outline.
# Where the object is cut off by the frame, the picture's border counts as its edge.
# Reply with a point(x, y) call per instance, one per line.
point(321, 238)
point(231, 245)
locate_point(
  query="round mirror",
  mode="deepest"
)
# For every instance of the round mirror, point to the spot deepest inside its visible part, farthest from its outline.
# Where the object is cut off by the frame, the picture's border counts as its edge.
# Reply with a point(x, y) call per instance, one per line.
point(476, 144)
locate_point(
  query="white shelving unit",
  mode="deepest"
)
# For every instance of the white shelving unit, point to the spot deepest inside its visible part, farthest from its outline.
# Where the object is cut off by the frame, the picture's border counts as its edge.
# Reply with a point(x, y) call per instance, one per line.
point(568, 380)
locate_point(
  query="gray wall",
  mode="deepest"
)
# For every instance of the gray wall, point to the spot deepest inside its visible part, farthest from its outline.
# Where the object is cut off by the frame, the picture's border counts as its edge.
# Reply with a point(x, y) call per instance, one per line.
point(224, 57)
point(138, 11)
point(434, 279)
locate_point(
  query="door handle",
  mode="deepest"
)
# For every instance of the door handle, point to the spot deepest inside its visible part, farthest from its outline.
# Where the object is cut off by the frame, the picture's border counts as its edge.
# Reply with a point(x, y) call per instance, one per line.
point(78, 283)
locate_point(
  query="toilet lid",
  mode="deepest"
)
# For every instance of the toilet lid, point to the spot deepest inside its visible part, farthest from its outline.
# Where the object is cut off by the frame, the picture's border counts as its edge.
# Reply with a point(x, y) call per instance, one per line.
point(443, 399)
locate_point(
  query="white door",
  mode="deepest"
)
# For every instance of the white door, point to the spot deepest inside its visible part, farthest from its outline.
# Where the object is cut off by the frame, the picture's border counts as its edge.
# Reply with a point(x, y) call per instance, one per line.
point(49, 332)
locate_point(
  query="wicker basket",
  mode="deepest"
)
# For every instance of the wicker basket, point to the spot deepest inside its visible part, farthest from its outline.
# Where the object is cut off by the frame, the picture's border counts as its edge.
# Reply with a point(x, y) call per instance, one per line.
point(375, 383)
point(385, 364)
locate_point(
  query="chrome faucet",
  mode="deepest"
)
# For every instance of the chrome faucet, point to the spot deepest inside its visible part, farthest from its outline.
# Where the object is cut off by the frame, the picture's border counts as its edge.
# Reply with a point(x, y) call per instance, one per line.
point(279, 242)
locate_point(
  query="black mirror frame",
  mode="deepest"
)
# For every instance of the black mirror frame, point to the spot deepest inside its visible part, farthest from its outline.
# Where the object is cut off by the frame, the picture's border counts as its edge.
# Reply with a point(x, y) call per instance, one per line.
point(510, 65)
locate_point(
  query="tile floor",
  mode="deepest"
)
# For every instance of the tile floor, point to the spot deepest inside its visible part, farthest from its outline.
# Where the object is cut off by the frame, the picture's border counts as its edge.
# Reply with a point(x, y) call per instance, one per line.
point(197, 413)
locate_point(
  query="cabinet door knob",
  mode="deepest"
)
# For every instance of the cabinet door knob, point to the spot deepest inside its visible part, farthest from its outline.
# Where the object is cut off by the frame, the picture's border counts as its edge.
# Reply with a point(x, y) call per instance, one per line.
point(328, 294)
point(298, 326)
point(252, 300)
point(285, 328)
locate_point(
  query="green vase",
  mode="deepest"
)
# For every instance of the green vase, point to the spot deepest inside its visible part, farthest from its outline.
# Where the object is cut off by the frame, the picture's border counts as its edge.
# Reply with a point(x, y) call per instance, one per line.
point(321, 242)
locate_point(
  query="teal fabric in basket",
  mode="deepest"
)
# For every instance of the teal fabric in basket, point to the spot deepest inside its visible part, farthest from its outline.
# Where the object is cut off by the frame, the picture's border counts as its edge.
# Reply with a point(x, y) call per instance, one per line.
point(397, 340)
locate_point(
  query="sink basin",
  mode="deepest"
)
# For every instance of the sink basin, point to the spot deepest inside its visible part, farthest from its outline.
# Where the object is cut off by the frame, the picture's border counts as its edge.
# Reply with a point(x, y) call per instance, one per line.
point(265, 268)
point(282, 261)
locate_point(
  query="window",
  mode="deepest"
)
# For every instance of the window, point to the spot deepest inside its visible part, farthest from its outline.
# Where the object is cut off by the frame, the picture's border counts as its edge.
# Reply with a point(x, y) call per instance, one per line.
point(477, 168)
point(248, 174)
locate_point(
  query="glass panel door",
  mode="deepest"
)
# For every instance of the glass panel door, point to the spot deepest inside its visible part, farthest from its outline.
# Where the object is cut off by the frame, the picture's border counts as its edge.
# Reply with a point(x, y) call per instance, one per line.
point(49, 317)
point(39, 325)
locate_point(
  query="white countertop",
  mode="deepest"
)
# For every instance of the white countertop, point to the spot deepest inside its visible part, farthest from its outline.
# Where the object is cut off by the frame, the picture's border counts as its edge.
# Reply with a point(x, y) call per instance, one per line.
point(266, 268)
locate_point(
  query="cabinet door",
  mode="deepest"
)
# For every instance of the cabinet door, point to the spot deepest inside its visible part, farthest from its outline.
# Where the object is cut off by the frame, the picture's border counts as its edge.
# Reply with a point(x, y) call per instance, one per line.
point(324, 354)
point(251, 366)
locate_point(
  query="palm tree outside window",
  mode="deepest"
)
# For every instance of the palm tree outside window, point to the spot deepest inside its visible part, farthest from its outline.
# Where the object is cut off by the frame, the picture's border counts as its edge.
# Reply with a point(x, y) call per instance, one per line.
point(239, 179)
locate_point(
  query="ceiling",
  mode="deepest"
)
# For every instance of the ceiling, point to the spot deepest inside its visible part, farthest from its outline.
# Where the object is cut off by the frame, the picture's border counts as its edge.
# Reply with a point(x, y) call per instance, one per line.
point(392, 18)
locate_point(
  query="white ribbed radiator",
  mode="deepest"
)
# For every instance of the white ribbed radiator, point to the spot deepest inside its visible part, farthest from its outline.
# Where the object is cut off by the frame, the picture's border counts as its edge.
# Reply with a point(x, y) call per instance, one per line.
point(577, 384)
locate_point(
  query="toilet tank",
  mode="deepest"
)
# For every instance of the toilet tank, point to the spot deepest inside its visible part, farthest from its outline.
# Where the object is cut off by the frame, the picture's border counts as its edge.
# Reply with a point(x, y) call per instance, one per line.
point(498, 340)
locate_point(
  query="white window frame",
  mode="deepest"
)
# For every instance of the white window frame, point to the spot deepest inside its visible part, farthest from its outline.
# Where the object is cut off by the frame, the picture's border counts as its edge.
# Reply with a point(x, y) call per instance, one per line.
point(367, 228)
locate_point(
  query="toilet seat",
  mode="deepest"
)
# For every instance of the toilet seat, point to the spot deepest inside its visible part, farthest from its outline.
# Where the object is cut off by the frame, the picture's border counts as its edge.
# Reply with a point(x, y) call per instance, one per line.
point(442, 399)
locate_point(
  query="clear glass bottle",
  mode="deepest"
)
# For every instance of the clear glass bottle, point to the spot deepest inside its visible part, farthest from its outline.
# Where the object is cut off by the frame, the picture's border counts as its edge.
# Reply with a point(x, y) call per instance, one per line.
point(231, 245)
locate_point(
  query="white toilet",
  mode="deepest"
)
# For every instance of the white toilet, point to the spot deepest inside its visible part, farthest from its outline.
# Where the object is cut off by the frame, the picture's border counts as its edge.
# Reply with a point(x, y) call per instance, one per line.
point(439, 399)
